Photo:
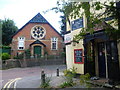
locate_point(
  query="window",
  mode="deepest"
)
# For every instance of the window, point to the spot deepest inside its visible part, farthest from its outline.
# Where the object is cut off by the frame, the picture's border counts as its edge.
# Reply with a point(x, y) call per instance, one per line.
point(21, 43)
point(78, 56)
point(38, 32)
point(54, 43)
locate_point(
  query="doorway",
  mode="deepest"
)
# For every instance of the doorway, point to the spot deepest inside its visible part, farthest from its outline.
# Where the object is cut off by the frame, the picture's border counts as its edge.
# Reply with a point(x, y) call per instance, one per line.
point(101, 59)
point(37, 51)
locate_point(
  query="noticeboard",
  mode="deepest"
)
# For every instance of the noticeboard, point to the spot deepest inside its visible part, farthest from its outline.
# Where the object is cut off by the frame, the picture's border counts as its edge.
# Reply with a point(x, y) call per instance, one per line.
point(78, 56)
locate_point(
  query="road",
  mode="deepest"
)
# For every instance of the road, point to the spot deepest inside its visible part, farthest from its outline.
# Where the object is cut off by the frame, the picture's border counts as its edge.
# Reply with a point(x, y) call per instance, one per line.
point(25, 75)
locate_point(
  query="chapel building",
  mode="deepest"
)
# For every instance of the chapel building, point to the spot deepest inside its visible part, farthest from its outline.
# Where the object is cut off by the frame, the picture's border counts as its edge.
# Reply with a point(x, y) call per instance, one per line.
point(38, 36)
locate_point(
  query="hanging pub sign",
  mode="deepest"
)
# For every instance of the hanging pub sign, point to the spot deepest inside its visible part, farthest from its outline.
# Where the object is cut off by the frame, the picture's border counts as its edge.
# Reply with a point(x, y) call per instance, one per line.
point(78, 56)
point(76, 24)
point(67, 38)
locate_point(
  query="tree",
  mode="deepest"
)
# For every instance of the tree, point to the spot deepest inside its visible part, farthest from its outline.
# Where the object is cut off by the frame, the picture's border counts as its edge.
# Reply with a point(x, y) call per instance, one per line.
point(0, 32)
point(8, 29)
point(72, 10)
point(63, 17)
point(63, 25)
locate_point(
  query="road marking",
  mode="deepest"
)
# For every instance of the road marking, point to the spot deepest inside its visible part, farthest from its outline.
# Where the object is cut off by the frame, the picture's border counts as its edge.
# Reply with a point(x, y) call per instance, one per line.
point(12, 82)
point(9, 83)
point(15, 84)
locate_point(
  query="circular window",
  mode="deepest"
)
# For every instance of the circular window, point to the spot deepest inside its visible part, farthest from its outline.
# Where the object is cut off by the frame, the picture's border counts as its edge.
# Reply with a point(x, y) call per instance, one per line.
point(38, 32)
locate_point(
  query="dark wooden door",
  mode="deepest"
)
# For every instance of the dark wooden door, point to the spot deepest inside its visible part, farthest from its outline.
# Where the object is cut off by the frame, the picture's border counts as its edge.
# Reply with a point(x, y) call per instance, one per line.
point(112, 59)
point(101, 59)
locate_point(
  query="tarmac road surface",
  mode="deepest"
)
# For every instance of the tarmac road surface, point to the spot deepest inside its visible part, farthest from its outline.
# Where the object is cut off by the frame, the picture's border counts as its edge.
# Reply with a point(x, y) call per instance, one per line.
point(19, 77)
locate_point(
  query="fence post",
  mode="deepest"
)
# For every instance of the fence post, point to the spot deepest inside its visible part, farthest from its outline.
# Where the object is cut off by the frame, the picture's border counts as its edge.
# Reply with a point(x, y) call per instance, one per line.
point(57, 72)
point(42, 77)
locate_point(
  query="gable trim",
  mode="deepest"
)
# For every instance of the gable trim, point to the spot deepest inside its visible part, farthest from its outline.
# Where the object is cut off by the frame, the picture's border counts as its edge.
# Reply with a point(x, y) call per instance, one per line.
point(39, 23)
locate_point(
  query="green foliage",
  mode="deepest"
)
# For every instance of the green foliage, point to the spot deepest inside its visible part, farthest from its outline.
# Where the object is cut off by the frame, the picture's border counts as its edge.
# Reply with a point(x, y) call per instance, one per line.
point(8, 29)
point(27, 53)
point(15, 57)
point(5, 56)
point(20, 56)
point(50, 57)
point(70, 72)
point(46, 84)
point(63, 25)
point(66, 84)
point(63, 55)
point(6, 47)
point(84, 78)
point(72, 10)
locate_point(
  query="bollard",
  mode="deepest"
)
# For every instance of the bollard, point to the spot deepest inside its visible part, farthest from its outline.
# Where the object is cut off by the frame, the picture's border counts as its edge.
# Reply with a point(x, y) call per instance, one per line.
point(57, 72)
point(42, 77)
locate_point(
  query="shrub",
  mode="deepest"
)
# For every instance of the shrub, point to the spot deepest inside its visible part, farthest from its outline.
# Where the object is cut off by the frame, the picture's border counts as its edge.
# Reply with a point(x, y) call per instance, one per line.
point(46, 84)
point(63, 54)
point(6, 47)
point(66, 84)
point(71, 71)
point(27, 53)
point(20, 56)
point(84, 78)
point(5, 56)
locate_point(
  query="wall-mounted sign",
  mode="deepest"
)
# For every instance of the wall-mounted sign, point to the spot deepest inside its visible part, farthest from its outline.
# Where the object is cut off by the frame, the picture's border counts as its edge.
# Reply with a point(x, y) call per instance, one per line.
point(78, 56)
point(76, 24)
point(67, 38)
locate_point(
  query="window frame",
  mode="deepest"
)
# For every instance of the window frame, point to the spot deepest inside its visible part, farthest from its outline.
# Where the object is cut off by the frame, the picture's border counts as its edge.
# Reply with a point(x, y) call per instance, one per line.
point(54, 41)
point(21, 40)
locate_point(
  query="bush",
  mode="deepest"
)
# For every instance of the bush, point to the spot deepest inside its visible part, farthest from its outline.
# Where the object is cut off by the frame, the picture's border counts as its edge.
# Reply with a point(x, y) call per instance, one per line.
point(84, 78)
point(6, 47)
point(46, 84)
point(66, 84)
point(5, 56)
point(63, 54)
point(71, 71)
point(20, 56)
point(70, 74)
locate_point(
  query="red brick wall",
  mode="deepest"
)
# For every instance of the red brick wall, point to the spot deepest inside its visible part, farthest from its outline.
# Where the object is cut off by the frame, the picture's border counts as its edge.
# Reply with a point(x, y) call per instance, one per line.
point(26, 32)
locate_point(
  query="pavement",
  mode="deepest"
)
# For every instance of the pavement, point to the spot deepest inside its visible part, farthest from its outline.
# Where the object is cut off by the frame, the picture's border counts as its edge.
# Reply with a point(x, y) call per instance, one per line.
point(31, 78)
point(35, 81)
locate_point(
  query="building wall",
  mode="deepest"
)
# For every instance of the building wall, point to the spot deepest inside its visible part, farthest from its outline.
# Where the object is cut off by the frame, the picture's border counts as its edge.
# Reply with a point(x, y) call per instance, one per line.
point(26, 32)
point(70, 47)
point(70, 51)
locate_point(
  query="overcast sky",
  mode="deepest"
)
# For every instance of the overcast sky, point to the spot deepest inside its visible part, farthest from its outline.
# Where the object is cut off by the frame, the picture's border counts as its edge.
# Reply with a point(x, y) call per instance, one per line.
point(21, 11)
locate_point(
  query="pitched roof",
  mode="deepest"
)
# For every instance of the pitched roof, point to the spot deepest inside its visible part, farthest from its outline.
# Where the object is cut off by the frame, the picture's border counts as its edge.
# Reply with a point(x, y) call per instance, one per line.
point(37, 19)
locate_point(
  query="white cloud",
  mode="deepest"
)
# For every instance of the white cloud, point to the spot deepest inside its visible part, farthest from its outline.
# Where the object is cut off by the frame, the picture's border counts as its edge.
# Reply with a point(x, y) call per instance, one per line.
point(21, 11)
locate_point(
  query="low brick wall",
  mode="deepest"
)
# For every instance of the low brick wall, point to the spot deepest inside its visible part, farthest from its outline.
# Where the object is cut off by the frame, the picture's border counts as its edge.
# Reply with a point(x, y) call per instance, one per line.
point(38, 62)
point(31, 62)
point(11, 63)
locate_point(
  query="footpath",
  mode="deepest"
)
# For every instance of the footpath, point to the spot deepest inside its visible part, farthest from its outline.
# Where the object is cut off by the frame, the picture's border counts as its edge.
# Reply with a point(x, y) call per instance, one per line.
point(55, 81)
